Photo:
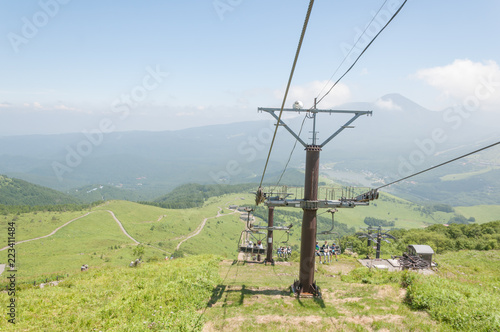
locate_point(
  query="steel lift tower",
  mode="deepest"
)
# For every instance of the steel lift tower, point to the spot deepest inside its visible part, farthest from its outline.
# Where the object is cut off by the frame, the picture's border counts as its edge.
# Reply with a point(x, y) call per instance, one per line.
point(310, 203)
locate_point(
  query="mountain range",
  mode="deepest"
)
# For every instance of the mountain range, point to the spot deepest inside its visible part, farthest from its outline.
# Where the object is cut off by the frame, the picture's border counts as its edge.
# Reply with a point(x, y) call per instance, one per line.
point(400, 137)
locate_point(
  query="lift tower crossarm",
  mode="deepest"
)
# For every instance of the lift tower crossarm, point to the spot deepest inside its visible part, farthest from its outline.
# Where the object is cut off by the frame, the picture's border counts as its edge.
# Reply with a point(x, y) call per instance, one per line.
point(356, 114)
point(281, 123)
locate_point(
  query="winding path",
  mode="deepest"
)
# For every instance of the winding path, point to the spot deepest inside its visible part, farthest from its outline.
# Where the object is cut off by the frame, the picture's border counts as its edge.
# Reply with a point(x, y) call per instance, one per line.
point(69, 222)
point(202, 225)
point(53, 232)
point(121, 226)
point(196, 232)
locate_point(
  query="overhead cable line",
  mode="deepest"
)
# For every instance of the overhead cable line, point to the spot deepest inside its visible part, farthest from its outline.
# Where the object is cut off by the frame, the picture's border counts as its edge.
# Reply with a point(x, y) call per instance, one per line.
point(352, 48)
point(291, 152)
point(446, 162)
point(336, 70)
point(366, 47)
point(306, 21)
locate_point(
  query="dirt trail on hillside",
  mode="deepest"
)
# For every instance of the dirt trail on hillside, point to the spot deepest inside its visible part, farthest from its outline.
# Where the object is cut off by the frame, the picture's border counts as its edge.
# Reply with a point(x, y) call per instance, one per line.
point(53, 232)
point(121, 226)
point(69, 222)
point(200, 226)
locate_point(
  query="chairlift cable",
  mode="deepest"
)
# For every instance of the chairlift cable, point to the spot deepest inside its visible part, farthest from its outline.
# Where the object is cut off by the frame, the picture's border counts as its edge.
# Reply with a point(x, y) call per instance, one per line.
point(442, 164)
point(352, 48)
point(291, 152)
point(306, 21)
point(359, 56)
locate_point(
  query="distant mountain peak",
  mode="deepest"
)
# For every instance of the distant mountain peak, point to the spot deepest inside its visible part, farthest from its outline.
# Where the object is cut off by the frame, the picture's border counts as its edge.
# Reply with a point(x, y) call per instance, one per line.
point(398, 102)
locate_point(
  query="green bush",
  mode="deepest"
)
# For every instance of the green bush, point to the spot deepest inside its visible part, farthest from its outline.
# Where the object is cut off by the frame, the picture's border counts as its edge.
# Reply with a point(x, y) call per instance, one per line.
point(464, 306)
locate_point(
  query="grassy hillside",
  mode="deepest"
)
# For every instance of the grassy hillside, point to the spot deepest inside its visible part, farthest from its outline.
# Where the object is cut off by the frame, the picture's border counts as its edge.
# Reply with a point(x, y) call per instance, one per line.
point(482, 213)
point(112, 296)
point(39, 223)
point(233, 296)
point(121, 299)
point(220, 236)
point(165, 228)
point(464, 294)
point(97, 240)
point(19, 192)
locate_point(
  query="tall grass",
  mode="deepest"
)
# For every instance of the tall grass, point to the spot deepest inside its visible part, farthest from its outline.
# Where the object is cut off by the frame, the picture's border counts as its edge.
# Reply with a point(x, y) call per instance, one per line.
point(464, 306)
point(163, 296)
point(463, 295)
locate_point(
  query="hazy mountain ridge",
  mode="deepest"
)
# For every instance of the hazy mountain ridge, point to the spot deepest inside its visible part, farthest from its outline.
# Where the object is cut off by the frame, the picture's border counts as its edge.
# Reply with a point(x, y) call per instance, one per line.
point(150, 164)
point(19, 192)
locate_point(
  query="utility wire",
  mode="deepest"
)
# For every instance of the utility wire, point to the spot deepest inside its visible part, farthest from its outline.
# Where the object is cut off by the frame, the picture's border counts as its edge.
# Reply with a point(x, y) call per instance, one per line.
point(291, 152)
point(359, 56)
point(446, 162)
point(352, 48)
point(306, 21)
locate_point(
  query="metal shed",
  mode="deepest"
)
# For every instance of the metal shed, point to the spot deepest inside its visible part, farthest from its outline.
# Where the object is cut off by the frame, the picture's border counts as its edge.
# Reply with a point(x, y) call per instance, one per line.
point(421, 250)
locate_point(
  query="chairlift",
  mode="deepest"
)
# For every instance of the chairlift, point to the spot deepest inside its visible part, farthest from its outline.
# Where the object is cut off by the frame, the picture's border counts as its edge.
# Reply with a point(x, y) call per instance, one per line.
point(338, 249)
point(287, 238)
point(330, 231)
point(250, 248)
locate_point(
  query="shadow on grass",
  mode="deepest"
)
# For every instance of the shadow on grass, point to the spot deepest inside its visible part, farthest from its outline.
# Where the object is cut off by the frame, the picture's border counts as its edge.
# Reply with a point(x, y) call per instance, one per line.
point(227, 297)
point(316, 300)
point(221, 291)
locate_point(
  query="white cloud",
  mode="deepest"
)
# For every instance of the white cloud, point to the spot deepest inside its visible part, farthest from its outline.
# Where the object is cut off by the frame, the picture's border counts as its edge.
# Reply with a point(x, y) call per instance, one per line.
point(5, 105)
point(63, 107)
point(465, 79)
point(387, 104)
point(307, 92)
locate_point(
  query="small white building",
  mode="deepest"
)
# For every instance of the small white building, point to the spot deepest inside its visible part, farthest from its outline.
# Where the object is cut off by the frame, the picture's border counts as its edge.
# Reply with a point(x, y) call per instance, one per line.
point(421, 250)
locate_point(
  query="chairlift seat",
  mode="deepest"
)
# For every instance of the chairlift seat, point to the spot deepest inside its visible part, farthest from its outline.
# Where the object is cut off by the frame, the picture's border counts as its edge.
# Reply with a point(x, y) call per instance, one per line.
point(252, 250)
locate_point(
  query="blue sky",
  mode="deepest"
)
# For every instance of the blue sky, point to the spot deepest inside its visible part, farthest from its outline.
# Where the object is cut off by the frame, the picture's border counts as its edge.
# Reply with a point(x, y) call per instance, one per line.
point(67, 65)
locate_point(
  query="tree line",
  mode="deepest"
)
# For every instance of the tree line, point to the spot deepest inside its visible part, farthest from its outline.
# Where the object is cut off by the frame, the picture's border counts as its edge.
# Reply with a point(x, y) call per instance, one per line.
point(193, 195)
point(18, 209)
point(439, 237)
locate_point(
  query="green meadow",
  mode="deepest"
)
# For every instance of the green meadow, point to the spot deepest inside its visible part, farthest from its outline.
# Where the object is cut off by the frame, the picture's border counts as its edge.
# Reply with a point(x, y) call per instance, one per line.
point(220, 293)
point(97, 240)
point(482, 213)
point(146, 298)
point(36, 224)
point(94, 240)
point(220, 236)
point(205, 292)
point(462, 176)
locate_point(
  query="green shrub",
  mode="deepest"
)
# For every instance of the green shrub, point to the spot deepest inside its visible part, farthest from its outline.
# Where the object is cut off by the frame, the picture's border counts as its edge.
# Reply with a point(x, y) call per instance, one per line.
point(464, 306)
